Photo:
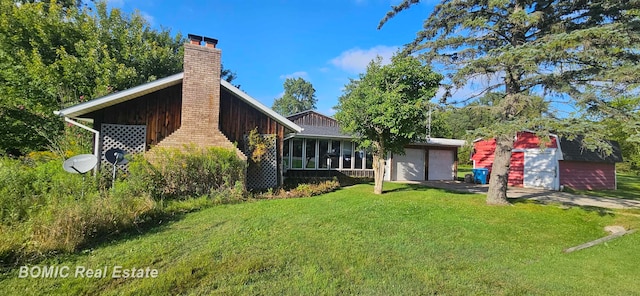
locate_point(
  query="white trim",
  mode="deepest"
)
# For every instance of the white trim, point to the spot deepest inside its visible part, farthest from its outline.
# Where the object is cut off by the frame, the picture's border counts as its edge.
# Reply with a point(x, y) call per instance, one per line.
point(322, 137)
point(138, 91)
point(441, 142)
point(121, 96)
point(96, 141)
point(264, 109)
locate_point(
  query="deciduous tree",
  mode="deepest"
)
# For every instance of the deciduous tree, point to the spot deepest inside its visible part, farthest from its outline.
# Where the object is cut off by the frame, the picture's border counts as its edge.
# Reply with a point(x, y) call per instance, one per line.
point(299, 95)
point(385, 108)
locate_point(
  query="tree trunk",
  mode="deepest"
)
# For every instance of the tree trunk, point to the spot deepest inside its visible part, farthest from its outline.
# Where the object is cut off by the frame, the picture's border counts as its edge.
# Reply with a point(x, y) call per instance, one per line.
point(378, 172)
point(498, 180)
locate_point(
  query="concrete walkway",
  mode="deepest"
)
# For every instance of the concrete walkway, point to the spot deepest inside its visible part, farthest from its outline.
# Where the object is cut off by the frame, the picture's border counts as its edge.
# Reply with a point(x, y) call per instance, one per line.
point(543, 196)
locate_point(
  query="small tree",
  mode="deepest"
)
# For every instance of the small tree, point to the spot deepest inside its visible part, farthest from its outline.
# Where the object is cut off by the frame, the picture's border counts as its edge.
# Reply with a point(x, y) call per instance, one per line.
point(385, 108)
point(299, 95)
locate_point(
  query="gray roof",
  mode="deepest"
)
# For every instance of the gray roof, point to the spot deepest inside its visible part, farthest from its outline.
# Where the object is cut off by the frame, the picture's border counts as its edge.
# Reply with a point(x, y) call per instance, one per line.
point(574, 150)
point(321, 132)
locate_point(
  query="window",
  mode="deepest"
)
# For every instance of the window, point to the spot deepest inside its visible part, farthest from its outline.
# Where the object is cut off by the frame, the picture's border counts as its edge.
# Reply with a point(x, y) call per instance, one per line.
point(310, 155)
point(296, 161)
point(286, 153)
point(347, 151)
point(334, 155)
point(323, 153)
point(359, 155)
point(369, 161)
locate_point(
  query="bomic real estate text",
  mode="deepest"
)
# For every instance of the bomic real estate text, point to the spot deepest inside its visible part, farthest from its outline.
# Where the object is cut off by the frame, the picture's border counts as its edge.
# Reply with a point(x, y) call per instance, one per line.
point(79, 271)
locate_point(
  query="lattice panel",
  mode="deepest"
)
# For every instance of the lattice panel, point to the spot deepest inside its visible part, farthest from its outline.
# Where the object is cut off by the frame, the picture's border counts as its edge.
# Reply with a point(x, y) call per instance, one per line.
point(130, 138)
point(265, 174)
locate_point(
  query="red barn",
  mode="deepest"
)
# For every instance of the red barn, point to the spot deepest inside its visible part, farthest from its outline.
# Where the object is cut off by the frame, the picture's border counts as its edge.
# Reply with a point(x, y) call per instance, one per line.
point(560, 163)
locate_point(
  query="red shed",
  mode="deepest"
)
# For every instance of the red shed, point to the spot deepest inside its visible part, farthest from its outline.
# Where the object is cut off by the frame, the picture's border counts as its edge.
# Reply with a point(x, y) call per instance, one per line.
point(561, 163)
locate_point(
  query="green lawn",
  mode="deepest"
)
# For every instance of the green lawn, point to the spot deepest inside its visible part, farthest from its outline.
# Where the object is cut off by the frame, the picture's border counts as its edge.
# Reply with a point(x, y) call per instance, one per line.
point(463, 170)
point(409, 241)
point(628, 187)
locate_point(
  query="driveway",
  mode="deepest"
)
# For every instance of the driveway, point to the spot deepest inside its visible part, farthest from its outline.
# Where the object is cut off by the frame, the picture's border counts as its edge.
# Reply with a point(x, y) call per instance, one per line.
point(541, 195)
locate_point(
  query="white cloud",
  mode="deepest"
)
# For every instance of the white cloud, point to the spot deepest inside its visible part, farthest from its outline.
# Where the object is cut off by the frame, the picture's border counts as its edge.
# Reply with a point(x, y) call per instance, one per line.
point(355, 60)
point(149, 18)
point(301, 74)
point(474, 88)
point(115, 3)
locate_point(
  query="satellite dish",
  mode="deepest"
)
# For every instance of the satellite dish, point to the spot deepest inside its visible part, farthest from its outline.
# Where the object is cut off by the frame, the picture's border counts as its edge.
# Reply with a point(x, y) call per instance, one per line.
point(80, 164)
point(116, 156)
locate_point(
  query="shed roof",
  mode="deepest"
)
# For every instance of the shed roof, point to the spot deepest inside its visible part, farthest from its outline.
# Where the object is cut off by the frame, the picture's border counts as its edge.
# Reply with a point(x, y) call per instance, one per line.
point(79, 110)
point(574, 150)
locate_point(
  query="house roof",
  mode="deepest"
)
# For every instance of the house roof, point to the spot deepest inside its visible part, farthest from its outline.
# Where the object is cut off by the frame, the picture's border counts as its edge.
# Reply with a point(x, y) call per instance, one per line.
point(296, 115)
point(333, 132)
point(85, 108)
point(573, 150)
point(313, 131)
point(441, 142)
point(264, 109)
point(77, 111)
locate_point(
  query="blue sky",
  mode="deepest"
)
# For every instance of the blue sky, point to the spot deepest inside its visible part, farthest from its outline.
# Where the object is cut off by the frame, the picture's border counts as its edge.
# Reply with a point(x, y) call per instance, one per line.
point(264, 42)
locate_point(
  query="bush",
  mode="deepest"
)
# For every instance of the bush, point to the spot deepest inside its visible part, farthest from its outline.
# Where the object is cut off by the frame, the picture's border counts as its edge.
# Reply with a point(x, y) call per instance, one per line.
point(43, 210)
point(193, 171)
point(70, 226)
point(27, 186)
point(304, 190)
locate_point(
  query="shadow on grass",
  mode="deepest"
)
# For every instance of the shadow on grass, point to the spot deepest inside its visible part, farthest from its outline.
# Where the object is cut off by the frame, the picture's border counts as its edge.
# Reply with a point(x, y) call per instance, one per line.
point(422, 187)
point(602, 212)
point(406, 187)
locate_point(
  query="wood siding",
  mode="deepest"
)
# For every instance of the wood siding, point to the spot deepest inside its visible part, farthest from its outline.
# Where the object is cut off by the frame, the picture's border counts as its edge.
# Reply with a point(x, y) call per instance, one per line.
point(483, 158)
point(516, 171)
point(238, 118)
point(588, 175)
point(160, 111)
point(313, 118)
point(526, 140)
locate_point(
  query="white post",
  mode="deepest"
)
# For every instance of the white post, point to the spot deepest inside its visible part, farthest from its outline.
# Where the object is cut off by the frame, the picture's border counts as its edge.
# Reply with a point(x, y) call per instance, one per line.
point(96, 141)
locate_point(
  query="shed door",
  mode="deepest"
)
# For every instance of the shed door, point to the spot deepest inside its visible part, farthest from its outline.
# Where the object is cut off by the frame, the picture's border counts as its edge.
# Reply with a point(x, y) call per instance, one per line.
point(441, 165)
point(409, 167)
point(540, 169)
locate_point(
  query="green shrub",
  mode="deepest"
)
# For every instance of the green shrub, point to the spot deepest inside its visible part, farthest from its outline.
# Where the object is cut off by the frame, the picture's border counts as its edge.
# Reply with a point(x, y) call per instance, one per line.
point(314, 188)
point(43, 210)
point(68, 227)
point(195, 171)
point(26, 187)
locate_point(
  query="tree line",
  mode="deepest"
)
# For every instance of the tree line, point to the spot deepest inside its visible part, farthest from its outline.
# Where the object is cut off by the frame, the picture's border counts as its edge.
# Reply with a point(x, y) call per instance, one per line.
point(55, 54)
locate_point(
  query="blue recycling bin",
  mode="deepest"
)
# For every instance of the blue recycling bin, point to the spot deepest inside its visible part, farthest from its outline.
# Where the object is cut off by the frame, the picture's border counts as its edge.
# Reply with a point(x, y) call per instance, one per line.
point(480, 175)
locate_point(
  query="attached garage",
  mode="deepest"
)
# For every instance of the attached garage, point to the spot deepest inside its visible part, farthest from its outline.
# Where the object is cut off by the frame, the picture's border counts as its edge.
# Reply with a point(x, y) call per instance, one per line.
point(435, 159)
point(409, 167)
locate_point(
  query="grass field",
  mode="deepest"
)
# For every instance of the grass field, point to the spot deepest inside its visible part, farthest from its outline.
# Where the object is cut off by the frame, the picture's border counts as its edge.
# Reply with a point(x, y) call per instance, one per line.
point(408, 241)
point(628, 187)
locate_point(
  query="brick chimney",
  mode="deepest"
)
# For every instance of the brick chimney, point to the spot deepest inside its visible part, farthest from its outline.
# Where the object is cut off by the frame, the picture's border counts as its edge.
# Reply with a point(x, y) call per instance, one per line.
point(200, 118)
point(201, 85)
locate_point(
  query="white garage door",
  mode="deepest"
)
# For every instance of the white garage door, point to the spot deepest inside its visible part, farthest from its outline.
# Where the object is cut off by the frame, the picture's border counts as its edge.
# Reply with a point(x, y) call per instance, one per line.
point(540, 169)
point(441, 165)
point(409, 167)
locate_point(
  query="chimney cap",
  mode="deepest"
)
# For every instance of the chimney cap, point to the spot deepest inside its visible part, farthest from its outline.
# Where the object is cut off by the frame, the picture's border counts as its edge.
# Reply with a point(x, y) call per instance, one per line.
point(210, 40)
point(194, 37)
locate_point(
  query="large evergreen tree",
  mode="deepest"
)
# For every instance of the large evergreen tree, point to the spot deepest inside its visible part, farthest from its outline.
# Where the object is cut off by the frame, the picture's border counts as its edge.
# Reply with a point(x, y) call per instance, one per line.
point(582, 52)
